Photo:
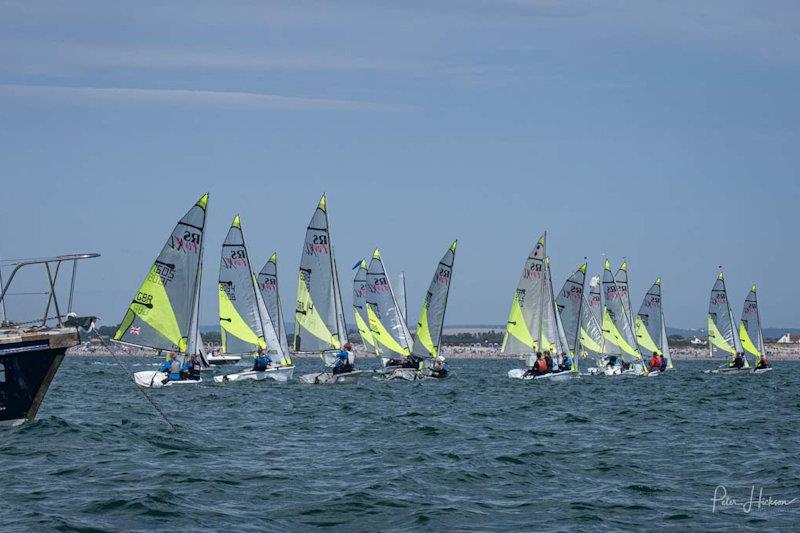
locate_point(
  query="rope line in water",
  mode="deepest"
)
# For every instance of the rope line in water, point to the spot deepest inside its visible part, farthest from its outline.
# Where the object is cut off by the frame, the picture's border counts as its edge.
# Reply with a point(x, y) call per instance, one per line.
point(129, 373)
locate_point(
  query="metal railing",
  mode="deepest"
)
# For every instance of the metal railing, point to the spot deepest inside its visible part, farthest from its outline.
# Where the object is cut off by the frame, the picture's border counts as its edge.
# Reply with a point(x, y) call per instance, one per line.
point(52, 267)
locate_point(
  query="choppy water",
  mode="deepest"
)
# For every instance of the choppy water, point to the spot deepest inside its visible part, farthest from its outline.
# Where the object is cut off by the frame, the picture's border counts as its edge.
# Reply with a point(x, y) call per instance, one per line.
point(475, 452)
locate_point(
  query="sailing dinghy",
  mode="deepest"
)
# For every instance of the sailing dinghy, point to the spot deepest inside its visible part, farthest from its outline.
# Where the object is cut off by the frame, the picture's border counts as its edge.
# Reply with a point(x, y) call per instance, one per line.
point(268, 284)
point(723, 337)
point(618, 328)
point(651, 331)
point(750, 332)
point(245, 324)
point(534, 324)
point(319, 325)
point(164, 312)
point(427, 340)
point(360, 306)
point(592, 343)
point(391, 337)
point(569, 303)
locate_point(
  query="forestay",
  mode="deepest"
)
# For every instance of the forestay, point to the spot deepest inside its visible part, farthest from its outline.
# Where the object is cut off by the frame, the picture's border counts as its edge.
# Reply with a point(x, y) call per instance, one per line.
point(319, 321)
point(427, 338)
point(722, 335)
point(750, 327)
point(389, 331)
point(163, 312)
point(524, 321)
point(270, 294)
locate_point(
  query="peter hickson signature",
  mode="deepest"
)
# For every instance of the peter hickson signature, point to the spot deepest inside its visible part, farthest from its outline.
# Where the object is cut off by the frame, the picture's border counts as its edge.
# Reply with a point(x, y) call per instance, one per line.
point(757, 501)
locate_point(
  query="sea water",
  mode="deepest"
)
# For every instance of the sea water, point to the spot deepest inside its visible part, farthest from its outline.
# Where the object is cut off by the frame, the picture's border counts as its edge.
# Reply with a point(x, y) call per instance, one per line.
point(477, 451)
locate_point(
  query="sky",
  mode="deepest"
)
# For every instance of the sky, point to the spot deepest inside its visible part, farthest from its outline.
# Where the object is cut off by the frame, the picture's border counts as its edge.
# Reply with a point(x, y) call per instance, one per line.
point(662, 132)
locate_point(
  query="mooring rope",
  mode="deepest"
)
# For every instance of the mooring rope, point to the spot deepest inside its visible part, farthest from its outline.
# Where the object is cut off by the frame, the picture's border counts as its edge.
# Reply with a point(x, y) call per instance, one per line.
point(129, 373)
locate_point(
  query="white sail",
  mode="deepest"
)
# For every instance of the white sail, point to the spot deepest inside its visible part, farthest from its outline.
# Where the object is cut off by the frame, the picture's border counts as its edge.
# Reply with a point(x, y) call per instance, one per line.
point(268, 285)
point(319, 319)
point(617, 325)
point(750, 332)
point(591, 335)
point(523, 328)
point(570, 305)
point(163, 313)
point(427, 338)
point(723, 338)
point(360, 305)
point(389, 330)
point(402, 298)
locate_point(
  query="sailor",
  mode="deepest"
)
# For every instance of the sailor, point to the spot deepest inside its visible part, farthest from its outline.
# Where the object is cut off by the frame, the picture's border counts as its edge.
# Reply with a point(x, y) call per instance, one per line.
point(261, 361)
point(193, 368)
point(548, 361)
point(738, 361)
point(172, 368)
point(412, 361)
point(664, 363)
point(566, 362)
point(763, 362)
point(655, 361)
point(344, 360)
point(613, 361)
point(538, 368)
point(439, 369)
point(394, 362)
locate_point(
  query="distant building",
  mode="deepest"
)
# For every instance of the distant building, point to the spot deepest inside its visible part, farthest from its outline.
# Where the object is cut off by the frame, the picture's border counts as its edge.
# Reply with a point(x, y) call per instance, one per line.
point(789, 339)
point(697, 342)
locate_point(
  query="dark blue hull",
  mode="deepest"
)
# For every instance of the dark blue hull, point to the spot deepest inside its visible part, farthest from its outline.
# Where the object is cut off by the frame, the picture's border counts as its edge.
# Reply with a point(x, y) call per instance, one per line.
point(27, 368)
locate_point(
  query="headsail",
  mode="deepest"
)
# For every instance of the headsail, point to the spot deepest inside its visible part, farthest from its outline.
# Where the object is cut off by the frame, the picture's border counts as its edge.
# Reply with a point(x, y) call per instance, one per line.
point(591, 336)
point(360, 305)
point(240, 321)
point(750, 327)
point(270, 294)
point(389, 331)
point(427, 338)
point(570, 304)
point(722, 335)
point(648, 320)
point(162, 311)
point(524, 320)
point(319, 320)
point(617, 320)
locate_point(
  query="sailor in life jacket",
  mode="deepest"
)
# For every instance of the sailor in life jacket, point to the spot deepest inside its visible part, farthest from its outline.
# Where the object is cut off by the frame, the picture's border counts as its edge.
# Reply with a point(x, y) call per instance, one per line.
point(655, 362)
point(344, 360)
point(261, 361)
point(172, 368)
point(439, 369)
point(193, 368)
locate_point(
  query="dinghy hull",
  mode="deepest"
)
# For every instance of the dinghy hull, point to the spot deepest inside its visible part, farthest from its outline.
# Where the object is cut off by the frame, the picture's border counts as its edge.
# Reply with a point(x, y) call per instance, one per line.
point(281, 375)
point(328, 378)
point(151, 379)
point(519, 373)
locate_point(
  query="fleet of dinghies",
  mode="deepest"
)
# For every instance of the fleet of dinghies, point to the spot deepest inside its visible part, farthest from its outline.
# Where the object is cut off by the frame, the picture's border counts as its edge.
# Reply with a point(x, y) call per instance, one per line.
point(550, 331)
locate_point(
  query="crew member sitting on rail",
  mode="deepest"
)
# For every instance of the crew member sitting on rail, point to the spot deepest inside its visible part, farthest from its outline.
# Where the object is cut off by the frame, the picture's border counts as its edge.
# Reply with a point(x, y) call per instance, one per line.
point(566, 362)
point(664, 362)
point(193, 367)
point(171, 368)
point(538, 368)
point(344, 360)
point(738, 361)
point(763, 362)
point(655, 362)
point(439, 369)
point(548, 360)
point(262, 361)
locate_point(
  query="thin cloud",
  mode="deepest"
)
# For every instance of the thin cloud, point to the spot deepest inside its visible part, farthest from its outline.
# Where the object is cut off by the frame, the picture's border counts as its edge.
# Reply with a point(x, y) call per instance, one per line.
point(193, 97)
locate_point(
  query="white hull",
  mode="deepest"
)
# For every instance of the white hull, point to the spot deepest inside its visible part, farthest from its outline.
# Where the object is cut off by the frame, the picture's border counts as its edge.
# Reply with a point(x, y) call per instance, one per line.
point(328, 378)
point(519, 373)
point(280, 374)
point(728, 371)
point(408, 374)
point(154, 380)
point(223, 359)
point(762, 370)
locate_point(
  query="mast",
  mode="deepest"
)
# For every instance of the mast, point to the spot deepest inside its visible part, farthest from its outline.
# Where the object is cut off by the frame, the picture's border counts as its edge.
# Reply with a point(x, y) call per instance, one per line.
point(541, 295)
